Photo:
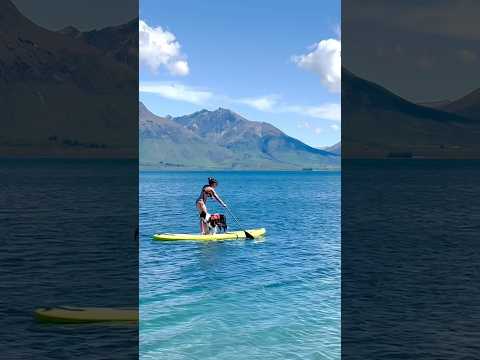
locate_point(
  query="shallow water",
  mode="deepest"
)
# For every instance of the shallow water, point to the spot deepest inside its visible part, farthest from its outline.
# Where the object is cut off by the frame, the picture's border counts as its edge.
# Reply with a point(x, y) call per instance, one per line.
point(276, 298)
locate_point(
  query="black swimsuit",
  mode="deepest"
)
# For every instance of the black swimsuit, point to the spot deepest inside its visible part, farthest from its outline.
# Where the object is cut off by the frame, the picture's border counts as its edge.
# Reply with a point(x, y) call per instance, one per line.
point(204, 195)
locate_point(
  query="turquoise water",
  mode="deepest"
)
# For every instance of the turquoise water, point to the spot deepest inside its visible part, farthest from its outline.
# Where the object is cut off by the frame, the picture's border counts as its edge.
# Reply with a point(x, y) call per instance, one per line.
point(276, 298)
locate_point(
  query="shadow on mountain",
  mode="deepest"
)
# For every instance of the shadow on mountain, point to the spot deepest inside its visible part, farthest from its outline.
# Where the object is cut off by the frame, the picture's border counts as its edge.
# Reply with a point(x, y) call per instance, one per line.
point(67, 93)
point(379, 124)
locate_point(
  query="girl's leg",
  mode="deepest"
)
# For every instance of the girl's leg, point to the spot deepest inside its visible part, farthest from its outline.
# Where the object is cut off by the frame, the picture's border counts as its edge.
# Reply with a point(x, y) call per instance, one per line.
point(202, 208)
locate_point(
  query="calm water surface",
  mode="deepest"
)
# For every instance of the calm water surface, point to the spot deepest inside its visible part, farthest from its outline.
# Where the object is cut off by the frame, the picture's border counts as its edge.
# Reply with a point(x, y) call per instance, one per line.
point(68, 239)
point(276, 298)
point(410, 250)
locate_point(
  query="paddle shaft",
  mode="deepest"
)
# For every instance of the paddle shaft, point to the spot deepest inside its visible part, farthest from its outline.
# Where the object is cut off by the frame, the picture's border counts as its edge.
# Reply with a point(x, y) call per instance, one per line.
point(247, 234)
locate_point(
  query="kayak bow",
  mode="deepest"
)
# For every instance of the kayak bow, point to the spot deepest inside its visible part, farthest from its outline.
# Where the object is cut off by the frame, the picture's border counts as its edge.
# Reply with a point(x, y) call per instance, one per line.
point(70, 314)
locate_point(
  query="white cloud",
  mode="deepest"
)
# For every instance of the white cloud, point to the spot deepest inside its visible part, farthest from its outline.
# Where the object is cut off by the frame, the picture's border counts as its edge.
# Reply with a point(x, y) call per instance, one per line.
point(318, 130)
point(329, 111)
point(177, 92)
point(338, 30)
point(271, 103)
point(179, 67)
point(304, 125)
point(324, 60)
point(335, 127)
point(268, 103)
point(159, 48)
point(263, 103)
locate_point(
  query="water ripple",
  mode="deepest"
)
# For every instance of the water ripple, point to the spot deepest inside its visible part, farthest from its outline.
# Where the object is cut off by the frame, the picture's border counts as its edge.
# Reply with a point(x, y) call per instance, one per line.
point(273, 299)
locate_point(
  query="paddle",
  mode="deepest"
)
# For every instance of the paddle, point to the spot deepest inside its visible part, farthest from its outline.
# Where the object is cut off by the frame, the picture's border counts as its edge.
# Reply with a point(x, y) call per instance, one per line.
point(247, 234)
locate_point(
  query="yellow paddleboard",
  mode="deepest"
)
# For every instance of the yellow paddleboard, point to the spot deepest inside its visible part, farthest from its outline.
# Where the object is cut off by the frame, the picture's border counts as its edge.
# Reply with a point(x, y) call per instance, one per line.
point(231, 235)
point(70, 314)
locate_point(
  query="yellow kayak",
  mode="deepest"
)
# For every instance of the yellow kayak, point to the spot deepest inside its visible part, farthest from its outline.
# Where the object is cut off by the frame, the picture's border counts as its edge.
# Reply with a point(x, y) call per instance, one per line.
point(69, 314)
point(231, 235)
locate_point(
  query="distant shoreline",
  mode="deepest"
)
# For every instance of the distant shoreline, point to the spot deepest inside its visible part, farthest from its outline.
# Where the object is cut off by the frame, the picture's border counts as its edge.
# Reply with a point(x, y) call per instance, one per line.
point(233, 170)
point(28, 152)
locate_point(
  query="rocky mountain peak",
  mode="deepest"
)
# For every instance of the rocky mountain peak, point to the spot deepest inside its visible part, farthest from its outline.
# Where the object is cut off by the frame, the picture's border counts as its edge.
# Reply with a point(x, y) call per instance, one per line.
point(71, 31)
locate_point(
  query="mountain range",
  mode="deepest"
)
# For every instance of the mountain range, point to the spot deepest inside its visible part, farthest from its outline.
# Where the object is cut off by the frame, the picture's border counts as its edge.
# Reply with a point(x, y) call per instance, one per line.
point(118, 42)
point(376, 123)
point(69, 93)
point(335, 148)
point(223, 139)
point(76, 93)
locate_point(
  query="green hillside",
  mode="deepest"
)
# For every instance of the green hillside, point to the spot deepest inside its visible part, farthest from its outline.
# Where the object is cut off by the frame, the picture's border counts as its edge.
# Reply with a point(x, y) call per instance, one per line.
point(222, 139)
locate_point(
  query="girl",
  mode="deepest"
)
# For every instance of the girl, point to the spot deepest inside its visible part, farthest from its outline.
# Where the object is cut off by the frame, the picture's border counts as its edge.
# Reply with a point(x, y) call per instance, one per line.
point(208, 191)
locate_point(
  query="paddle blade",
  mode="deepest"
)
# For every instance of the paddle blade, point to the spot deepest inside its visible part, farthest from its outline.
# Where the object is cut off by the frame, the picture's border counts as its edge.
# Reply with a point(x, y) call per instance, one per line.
point(248, 235)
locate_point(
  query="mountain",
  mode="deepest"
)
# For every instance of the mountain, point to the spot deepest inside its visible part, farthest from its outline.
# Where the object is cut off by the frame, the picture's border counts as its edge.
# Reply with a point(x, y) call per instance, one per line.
point(438, 104)
point(59, 94)
point(119, 42)
point(468, 106)
point(225, 140)
point(377, 123)
point(334, 149)
point(165, 143)
point(71, 31)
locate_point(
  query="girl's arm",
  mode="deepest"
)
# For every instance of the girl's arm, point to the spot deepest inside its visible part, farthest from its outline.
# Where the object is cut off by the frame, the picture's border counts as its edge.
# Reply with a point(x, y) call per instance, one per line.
point(218, 198)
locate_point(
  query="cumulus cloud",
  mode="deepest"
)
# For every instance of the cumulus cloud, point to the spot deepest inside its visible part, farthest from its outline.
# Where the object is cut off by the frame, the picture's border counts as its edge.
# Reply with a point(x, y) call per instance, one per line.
point(324, 59)
point(159, 48)
point(318, 130)
point(177, 92)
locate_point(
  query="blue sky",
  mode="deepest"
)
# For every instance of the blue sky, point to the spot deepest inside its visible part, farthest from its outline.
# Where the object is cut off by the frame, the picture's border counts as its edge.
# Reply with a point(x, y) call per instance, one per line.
point(273, 61)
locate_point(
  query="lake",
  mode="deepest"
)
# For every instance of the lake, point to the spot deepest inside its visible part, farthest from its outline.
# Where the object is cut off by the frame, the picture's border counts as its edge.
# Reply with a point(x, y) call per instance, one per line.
point(68, 240)
point(410, 251)
point(274, 298)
